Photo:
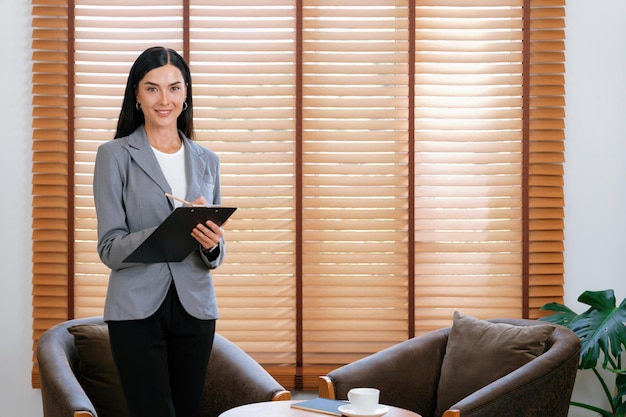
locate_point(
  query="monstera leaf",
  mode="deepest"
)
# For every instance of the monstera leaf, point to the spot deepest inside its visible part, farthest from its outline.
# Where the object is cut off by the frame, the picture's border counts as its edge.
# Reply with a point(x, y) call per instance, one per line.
point(601, 328)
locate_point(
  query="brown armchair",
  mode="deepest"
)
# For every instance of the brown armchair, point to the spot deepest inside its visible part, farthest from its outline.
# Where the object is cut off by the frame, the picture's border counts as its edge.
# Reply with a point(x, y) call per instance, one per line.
point(233, 377)
point(408, 376)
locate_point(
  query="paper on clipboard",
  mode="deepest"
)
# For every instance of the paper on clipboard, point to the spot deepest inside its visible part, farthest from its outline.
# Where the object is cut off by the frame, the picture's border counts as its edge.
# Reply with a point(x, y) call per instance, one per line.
point(172, 241)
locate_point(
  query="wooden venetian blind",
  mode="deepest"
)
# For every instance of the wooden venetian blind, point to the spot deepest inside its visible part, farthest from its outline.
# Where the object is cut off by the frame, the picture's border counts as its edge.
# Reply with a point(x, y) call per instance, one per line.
point(468, 160)
point(109, 35)
point(545, 130)
point(392, 161)
point(355, 179)
point(243, 61)
point(51, 257)
point(488, 162)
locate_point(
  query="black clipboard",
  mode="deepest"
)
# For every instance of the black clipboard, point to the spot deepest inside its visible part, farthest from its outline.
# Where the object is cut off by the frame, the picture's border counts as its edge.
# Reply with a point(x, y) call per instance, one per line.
point(172, 241)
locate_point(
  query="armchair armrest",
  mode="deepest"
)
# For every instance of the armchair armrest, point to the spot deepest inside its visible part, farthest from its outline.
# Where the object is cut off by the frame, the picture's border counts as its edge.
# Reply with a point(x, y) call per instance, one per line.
point(234, 378)
point(61, 394)
point(406, 374)
point(542, 387)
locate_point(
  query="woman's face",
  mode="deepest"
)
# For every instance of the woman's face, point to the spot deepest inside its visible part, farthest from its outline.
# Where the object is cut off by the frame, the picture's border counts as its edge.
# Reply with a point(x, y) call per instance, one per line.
point(162, 93)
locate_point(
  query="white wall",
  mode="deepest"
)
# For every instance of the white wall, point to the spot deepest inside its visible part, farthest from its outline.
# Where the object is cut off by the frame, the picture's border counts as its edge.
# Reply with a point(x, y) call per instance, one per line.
point(595, 167)
point(595, 164)
point(17, 398)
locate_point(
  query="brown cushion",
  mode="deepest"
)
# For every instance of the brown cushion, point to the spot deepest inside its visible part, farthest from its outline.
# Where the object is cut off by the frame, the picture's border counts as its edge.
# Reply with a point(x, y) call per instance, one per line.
point(479, 352)
point(98, 375)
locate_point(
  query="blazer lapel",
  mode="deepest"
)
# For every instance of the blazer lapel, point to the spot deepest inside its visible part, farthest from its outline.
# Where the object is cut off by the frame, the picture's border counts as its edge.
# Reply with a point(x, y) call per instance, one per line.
point(195, 169)
point(142, 154)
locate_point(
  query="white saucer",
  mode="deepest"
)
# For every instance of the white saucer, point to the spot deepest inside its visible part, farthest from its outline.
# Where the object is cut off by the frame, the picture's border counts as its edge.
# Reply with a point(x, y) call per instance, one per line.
point(347, 410)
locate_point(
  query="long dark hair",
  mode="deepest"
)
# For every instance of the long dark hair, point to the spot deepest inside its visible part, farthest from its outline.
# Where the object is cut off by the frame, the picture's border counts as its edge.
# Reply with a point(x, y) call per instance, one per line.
point(155, 57)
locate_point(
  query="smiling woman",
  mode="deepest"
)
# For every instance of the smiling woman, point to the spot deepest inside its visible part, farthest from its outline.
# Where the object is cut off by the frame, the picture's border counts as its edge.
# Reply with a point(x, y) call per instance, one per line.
point(160, 315)
point(392, 161)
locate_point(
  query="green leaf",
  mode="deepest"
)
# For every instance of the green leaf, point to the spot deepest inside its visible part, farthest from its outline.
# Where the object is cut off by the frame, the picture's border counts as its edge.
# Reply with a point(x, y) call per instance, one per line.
point(563, 316)
point(600, 328)
point(603, 413)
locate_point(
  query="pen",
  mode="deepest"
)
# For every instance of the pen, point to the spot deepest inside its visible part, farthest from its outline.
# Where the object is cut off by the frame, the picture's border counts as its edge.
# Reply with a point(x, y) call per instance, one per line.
point(173, 197)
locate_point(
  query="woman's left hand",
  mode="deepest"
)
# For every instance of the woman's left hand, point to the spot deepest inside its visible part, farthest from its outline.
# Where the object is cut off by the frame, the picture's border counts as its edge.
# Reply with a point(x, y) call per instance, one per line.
point(208, 234)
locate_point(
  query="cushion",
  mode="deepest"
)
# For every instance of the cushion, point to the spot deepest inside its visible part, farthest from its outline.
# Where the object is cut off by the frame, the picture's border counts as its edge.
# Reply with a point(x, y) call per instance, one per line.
point(98, 375)
point(479, 352)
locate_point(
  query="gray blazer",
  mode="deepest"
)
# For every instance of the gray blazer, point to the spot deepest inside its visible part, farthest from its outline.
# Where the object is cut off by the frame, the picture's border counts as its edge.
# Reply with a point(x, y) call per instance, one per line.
point(129, 191)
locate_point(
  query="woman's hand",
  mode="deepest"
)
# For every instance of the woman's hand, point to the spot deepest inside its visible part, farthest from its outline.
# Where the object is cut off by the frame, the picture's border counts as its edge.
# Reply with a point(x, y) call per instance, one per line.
point(200, 201)
point(208, 234)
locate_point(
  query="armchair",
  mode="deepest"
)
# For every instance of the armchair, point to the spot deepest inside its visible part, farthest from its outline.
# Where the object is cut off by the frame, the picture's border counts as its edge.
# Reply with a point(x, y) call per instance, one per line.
point(233, 377)
point(408, 375)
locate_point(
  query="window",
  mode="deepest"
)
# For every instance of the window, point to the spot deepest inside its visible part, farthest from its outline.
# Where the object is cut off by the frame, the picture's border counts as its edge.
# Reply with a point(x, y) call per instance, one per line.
point(393, 161)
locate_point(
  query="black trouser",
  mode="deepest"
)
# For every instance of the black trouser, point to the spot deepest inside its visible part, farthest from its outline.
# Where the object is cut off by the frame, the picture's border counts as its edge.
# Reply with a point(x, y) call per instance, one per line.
point(162, 360)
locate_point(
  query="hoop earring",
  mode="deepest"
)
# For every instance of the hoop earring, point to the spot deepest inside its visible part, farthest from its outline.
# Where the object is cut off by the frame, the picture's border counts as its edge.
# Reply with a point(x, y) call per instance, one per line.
point(185, 105)
point(138, 106)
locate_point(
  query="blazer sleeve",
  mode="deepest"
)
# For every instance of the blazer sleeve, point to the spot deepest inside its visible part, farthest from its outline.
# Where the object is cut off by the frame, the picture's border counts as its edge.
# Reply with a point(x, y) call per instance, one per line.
point(115, 240)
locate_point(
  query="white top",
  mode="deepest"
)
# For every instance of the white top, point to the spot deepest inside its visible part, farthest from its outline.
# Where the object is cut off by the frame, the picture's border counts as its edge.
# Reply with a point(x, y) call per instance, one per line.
point(173, 167)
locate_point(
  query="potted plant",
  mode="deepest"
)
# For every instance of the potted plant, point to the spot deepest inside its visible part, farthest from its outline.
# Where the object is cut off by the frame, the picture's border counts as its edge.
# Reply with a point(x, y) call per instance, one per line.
point(602, 328)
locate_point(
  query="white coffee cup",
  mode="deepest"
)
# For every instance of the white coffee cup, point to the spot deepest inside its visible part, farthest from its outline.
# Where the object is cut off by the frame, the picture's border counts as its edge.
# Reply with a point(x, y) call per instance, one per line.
point(364, 400)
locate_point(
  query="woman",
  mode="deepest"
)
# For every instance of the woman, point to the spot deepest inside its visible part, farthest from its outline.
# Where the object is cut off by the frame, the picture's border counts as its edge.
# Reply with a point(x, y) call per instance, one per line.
point(161, 316)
